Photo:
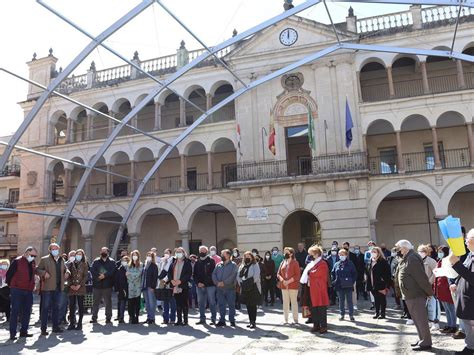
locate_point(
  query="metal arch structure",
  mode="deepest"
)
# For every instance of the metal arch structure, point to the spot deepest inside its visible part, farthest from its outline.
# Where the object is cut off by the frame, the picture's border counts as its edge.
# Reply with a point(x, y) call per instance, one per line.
point(210, 52)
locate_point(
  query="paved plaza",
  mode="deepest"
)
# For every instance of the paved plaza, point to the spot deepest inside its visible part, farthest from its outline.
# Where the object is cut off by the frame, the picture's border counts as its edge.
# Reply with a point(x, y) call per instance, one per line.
point(390, 336)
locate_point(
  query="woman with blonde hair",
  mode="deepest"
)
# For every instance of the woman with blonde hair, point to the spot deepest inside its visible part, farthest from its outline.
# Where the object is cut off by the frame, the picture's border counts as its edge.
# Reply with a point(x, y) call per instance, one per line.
point(288, 282)
point(378, 281)
point(134, 280)
point(316, 276)
point(180, 273)
point(77, 288)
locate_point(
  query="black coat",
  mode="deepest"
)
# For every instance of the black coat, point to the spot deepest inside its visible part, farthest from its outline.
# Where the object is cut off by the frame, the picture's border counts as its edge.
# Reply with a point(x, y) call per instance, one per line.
point(359, 263)
point(150, 276)
point(381, 274)
point(107, 268)
point(121, 283)
point(186, 273)
point(465, 289)
point(203, 271)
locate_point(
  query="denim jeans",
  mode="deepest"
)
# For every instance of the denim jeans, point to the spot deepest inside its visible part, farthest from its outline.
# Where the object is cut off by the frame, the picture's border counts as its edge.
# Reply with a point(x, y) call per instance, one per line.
point(433, 309)
point(21, 303)
point(345, 294)
point(121, 304)
point(64, 306)
point(54, 300)
point(468, 326)
point(450, 314)
point(150, 302)
point(169, 310)
point(226, 297)
point(207, 295)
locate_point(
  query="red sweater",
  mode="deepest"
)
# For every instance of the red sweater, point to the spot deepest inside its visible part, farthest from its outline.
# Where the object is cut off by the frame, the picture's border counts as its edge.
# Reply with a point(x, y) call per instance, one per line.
point(290, 271)
point(441, 288)
point(21, 274)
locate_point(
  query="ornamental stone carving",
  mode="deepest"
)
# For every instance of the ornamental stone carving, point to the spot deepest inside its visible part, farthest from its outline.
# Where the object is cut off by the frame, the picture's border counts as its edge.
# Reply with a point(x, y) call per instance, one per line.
point(353, 189)
point(298, 197)
point(330, 191)
point(31, 178)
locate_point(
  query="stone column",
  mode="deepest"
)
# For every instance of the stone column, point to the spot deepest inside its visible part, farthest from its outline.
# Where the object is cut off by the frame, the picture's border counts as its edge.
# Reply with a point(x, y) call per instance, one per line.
point(108, 184)
point(185, 236)
point(470, 142)
point(460, 71)
point(182, 112)
point(67, 183)
point(424, 76)
point(88, 246)
point(209, 171)
point(373, 233)
point(391, 88)
point(437, 159)
point(89, 127)
point(184, 185)
point(208, 101)
point(364, 143)
point(132, 177)
point(400, 163)
point(157, 124)
point(133, 241)
point(68, 130)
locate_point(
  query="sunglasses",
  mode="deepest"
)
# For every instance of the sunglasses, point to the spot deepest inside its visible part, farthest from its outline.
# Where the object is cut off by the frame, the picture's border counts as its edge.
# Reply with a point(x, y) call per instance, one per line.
point(33, 256)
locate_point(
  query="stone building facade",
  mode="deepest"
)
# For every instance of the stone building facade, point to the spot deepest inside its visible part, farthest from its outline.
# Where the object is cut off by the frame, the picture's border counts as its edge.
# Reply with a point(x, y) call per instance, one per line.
point(411, 159)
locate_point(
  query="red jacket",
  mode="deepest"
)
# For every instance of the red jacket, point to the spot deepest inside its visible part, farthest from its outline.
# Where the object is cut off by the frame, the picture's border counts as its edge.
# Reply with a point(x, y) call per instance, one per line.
point(293, 272)
point(318, 284)
point(441, 288)
point(21, 274)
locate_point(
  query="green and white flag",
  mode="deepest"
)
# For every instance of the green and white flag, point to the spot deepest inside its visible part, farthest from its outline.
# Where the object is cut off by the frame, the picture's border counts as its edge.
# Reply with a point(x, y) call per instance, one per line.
point(311, 141)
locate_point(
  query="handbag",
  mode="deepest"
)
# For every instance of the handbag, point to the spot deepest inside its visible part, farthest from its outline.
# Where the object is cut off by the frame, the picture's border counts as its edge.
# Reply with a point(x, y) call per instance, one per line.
point(247, 284)
point(306, 311)
point(163, 294)
point(346, 282)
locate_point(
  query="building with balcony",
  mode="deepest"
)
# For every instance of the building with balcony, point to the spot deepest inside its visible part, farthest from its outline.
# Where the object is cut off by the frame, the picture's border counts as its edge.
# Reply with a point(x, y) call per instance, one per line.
point(411, 161)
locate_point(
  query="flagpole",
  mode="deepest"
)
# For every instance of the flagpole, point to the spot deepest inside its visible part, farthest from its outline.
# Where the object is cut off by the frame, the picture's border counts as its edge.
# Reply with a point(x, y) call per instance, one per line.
point(263, 142)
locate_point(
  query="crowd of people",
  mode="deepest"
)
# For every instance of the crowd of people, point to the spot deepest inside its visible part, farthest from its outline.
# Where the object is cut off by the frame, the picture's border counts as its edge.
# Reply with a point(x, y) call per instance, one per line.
point(303, 280)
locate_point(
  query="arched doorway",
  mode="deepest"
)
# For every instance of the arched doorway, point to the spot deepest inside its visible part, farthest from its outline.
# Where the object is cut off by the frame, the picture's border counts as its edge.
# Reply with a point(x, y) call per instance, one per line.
point(212, 224)
point(461, 206)
point(301, 226)
point(158, 229)
point(72, 238)
point(406, 214)
point(103, 234)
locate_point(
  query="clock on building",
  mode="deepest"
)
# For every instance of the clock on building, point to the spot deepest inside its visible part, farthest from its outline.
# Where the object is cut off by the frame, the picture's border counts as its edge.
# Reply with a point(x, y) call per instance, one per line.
point(288, 36)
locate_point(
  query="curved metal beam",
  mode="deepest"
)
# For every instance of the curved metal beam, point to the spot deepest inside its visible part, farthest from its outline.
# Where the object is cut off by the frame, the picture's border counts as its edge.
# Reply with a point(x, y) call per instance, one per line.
point(307, 4)
point(64, 74)
point(252, 85)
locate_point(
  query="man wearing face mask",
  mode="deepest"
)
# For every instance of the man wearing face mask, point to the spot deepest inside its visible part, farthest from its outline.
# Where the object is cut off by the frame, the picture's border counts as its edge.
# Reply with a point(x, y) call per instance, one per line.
point(224, 277)
point(213, 254)
point(277, 258)
point(53, 273)
point(206, 290)
point(332, 259)
point(360, 268)
point(103, 275)
point(21, 279)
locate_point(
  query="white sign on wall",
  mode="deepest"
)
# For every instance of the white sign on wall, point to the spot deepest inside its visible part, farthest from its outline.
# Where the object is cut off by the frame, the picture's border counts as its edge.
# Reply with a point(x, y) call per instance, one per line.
point(257, 214)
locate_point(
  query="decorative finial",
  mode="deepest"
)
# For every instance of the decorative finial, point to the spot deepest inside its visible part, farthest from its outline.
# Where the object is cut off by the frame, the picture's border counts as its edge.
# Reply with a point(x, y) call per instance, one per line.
point(182, 45)
point(234, 33)
point(135, 55)
point(60, 69)
point(351, 11)
point(34, 56)
point(51, 52)
point(288, 4)
point(92, 67)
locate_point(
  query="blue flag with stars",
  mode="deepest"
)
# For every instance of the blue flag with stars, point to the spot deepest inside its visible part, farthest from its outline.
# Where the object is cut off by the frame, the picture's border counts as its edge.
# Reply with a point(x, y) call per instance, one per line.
point(349, 125)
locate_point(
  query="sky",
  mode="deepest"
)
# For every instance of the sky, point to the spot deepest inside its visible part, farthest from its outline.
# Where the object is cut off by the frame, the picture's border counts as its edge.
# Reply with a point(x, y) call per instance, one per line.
point(28, 27)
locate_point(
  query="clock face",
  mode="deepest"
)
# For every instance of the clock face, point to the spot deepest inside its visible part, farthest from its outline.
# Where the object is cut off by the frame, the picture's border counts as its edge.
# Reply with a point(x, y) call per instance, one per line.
point(288, 36)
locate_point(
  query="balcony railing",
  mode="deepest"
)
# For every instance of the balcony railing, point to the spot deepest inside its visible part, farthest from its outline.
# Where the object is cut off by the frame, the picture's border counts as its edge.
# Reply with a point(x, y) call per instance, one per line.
point(328, 164)
point(10, 170)
point(9, 239)
point(420, 161)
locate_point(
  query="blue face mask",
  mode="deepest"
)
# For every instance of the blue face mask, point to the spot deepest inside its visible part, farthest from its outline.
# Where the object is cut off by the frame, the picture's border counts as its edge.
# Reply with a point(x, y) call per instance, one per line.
point(440, 255)
point(78, 257)
point(55, 252)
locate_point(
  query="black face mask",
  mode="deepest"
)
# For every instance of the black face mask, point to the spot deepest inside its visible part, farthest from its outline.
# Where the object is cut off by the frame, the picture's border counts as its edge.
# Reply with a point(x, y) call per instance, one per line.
point(104, 255)
point(399, 254)
point(202, 255)
point(248, 260)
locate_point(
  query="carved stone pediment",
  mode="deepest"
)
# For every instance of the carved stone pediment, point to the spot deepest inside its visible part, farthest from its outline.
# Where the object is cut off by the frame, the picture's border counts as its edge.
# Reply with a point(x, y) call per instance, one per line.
point(31, 178)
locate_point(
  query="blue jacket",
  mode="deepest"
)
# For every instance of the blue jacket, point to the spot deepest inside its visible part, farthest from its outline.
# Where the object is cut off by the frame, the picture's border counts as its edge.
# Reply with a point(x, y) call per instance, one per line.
point(149, 276)
point(343, 274)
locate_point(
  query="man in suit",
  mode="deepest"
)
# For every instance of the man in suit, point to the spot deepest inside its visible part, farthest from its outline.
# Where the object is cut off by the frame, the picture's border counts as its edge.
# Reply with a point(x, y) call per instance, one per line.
point(464, 291)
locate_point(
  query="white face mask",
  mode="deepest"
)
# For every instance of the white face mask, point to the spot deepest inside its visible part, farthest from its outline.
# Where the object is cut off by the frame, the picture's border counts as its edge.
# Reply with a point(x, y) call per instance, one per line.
point(179, 255)
point(267, 257)
point(342, 258)
point(422, 254)
point(334, 253)
point(72, 258)
point(212, 252)
point(373, 256)
point(166, 256)
point(394, 254)
point(135, 257)
point(124, 263)
point(55, 252)
point(254, 254)
point(30, 258)
point(148, 259)
point(4, 267)
point(235, 254)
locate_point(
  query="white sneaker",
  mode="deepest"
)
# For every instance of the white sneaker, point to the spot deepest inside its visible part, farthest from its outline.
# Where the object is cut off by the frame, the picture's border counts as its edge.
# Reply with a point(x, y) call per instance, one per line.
point(435, 326)
point(410, 322)
point(355, 308)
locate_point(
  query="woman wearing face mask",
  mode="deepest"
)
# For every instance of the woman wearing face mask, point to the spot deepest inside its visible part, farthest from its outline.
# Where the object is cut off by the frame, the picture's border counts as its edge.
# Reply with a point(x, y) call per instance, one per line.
point(378, 281)
point(134, 282)
point(121, 287)
point(430, 264)
point(180, 273)
point(4, 289)
point(288, 282)
point(169, 302)
point(77, 288)
point(443, 294)
point(149, 282)
point(237, 259)
point(344, 276)
point(269, 275)
point(248, 277)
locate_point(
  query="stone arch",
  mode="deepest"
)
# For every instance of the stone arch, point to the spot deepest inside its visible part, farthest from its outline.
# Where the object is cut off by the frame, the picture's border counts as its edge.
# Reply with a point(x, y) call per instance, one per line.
point(191, 89)
point(143, 154)
point(415, 122)
point(191, 210)
point(100, 211)
point(414, 185)
point(451, 188)
point(218, 84)
point(379, 126)
point(299, 221)
point(194, 148)
point(222, 144)
point(369, 60)
point(139, 214)
point(295, 103)
point(450, 119)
